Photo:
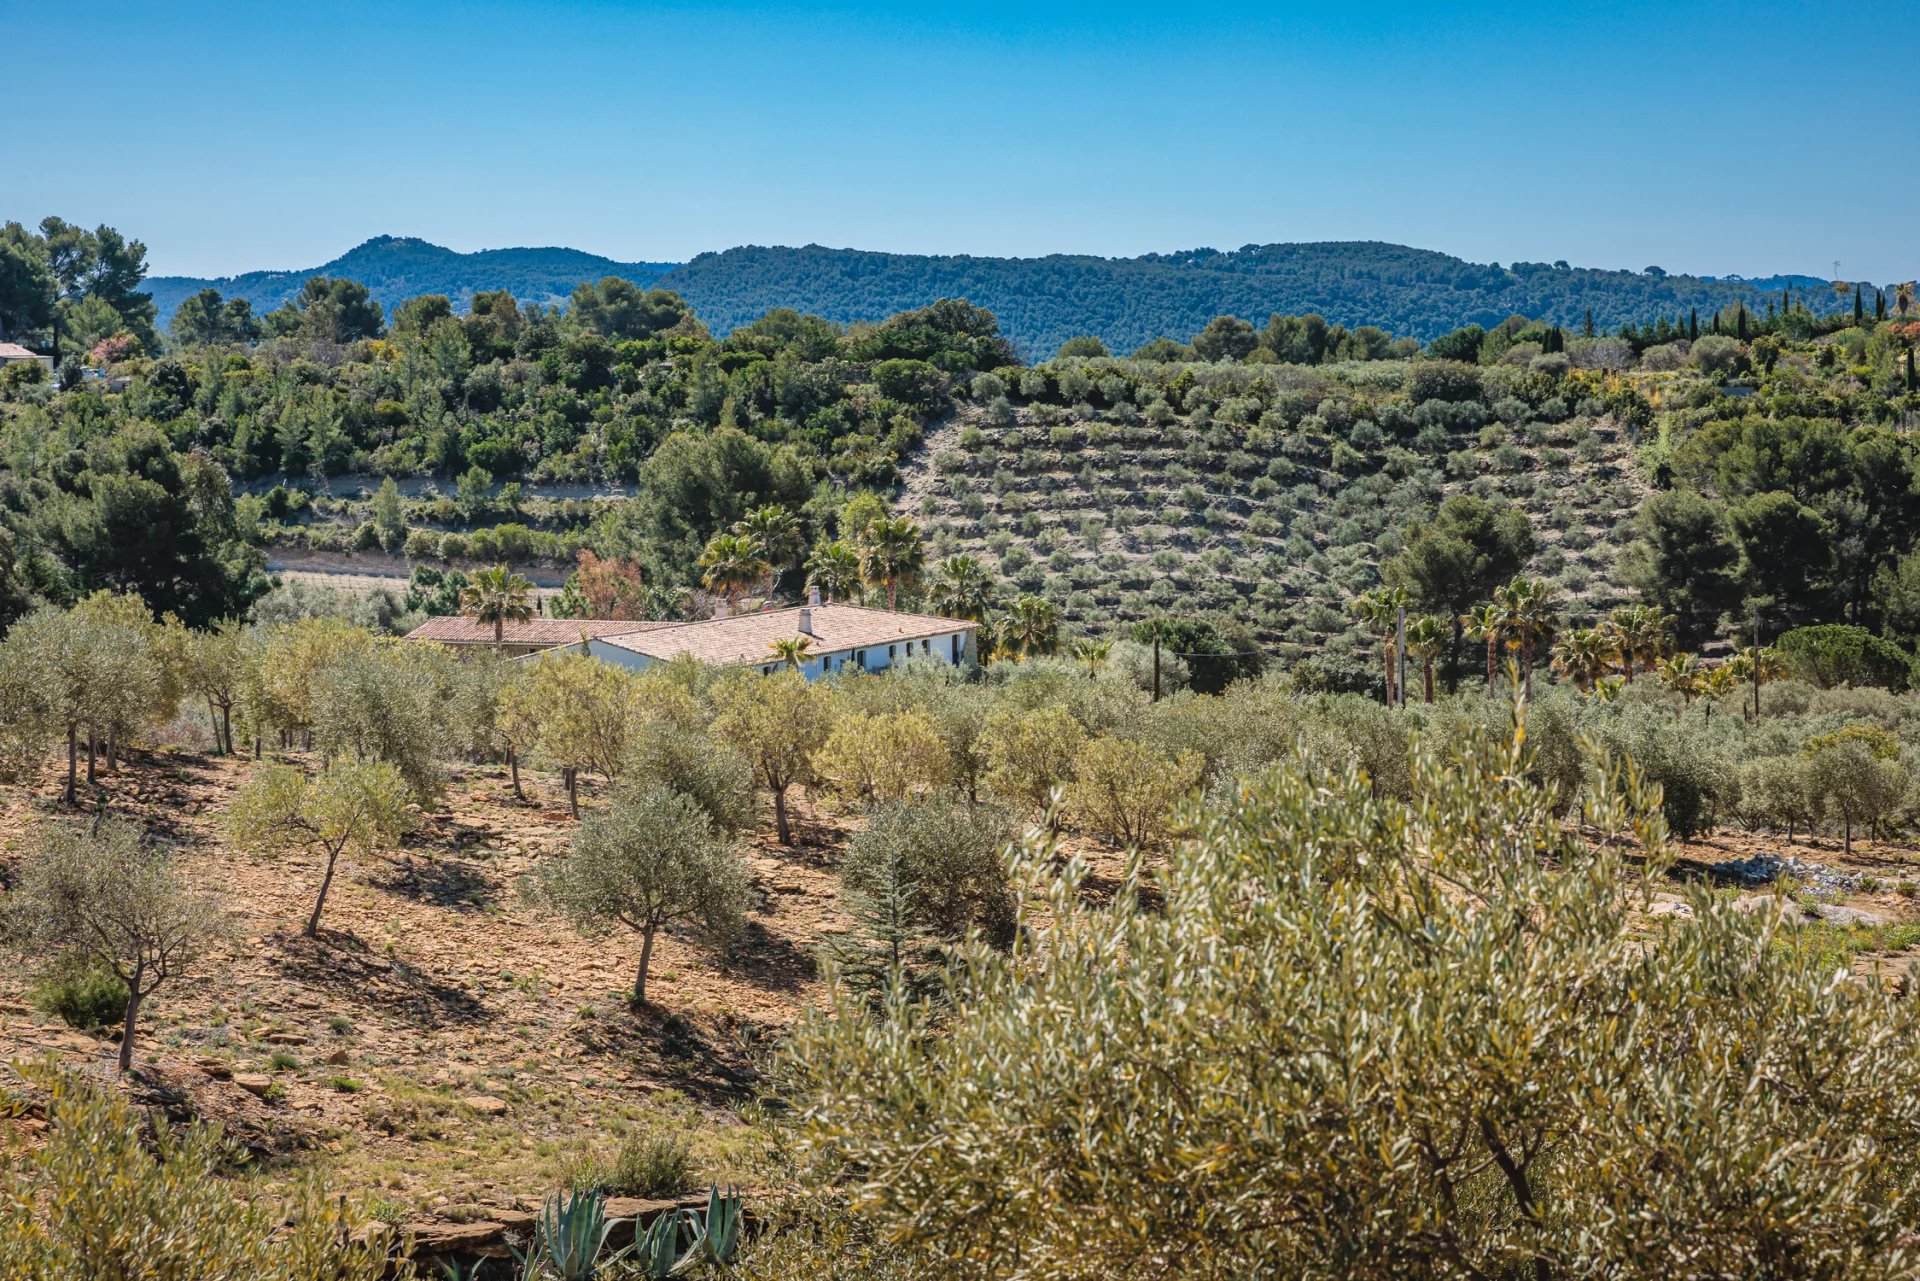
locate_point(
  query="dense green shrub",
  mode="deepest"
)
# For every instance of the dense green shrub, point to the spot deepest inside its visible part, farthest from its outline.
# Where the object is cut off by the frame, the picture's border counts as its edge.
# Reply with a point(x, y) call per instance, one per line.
point(81, 994)
point(949, 854)
point(1834, 654)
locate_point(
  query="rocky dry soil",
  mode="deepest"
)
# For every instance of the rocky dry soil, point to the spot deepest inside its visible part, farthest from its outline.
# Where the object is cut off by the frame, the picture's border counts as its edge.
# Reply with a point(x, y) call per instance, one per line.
point(442, 1041)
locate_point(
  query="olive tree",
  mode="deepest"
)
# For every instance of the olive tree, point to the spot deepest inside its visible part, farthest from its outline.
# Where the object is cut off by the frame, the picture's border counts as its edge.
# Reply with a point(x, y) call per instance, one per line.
point(130, 1202)
point(1450, 1011)
point(777, 722)
point(357, 808)
point(650, 860)
point(883, 756)
point(1126, 790)
point(1030, 753)
point(98, 892)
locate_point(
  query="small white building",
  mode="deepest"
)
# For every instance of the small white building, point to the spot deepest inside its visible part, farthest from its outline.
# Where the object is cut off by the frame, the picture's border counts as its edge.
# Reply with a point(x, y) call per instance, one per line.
point(839, 636)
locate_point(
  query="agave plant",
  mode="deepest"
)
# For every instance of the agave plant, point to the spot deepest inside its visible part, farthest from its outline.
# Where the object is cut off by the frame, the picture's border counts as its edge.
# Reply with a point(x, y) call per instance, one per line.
point(570, 1239)
point(711, 1237)
point(657, 1250)
point(719, 1228)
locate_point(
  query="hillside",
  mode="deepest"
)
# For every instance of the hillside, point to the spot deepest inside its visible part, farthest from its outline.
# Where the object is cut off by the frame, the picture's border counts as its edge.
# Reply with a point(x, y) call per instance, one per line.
point(400, 267)
point(1041, 302)
point(1266, 494)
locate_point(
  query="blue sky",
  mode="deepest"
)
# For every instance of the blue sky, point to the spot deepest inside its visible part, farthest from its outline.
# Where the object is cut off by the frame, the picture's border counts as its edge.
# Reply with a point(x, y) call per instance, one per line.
point(1706, 138)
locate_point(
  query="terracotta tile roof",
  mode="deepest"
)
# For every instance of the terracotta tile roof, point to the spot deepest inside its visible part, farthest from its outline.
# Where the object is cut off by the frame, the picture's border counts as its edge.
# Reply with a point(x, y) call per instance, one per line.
point(453, 629)
point(14, 351)
point(748, 638)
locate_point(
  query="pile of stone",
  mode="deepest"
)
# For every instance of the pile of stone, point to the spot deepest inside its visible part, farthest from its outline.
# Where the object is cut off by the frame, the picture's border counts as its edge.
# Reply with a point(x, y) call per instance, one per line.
point(1765, 869)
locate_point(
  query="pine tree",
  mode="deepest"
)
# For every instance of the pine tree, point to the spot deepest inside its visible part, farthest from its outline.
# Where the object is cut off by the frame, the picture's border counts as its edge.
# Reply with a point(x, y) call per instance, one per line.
point(885, 949)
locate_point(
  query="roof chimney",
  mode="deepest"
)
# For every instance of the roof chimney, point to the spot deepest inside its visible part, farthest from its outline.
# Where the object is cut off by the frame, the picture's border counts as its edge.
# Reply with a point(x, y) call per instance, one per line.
point(813, 596)
point(806, 622)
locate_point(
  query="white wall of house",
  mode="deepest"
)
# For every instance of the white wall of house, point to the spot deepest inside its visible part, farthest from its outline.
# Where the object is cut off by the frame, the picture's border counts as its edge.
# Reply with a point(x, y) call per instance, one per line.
point(950, 647)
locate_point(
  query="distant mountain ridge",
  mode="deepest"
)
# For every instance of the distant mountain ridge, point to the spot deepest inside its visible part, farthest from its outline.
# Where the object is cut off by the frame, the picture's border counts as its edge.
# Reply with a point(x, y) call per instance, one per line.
point(395, 268)
point(1041, 302)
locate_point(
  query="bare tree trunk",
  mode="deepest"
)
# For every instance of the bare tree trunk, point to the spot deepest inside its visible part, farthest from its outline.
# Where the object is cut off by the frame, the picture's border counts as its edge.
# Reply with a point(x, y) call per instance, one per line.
point(780, 823)
point(213, 721)
point(113, 750)
point(93, 753)
point(1489, 667)
point(226, 727)
point(326, 883)
point(129, 1028)
point(573, 790)
point(1427, 672)
point(513, 768)
point(646, 959)
point(73, 765)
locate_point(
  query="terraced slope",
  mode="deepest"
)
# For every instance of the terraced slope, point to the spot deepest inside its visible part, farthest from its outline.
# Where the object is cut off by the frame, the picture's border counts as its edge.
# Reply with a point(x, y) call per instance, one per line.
point(1270, 494)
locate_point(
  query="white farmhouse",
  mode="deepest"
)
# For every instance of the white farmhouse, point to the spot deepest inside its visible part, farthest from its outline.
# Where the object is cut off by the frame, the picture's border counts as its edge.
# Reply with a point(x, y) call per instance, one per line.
point(838, 636)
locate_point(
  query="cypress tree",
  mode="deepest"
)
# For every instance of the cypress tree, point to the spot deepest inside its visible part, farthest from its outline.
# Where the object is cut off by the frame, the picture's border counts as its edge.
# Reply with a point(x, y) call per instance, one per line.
point(1586, 329)
point(1879, 304)
point(885, 948)
point(1740, 323)
point(1859, 308)
point(1693, 323)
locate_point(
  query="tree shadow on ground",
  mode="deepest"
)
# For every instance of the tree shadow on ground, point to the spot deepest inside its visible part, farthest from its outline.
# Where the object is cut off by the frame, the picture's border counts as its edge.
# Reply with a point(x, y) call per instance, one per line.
point(453, 883)
point(711, 1066)
point(771, 961)
point(344, 968)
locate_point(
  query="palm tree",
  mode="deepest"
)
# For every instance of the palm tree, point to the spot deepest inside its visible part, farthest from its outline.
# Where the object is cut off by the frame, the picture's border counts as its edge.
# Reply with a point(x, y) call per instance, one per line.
point(1485, 623)
point(794, 651)
point(1427, 638)
point(1684, 676)
point(1641, 633)
point(497, 596)
point(1093, 653)
point(1771, 667)
point(1584, 655)
point(961, 587)
point(890, 554)
point(732, 563)
point(835, 569)
point(1527, 617)
point(1379, 610)
point(1720, 680)
point(776, 531)
point(1031, 626)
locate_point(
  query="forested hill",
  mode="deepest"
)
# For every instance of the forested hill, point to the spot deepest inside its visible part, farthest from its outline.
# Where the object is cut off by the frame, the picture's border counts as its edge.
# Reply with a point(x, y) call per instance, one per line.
point(395, 268)
point(1041, 302)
